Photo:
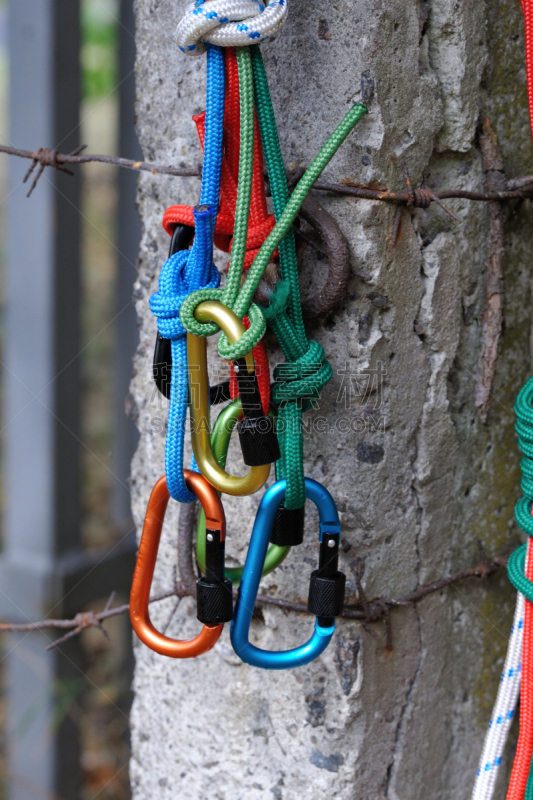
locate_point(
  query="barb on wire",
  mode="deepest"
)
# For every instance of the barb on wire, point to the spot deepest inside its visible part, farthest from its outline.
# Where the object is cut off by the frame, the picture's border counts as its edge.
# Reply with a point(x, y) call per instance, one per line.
point(48, 157)
point(516, 189)
point(416, 198)
point(364, 610)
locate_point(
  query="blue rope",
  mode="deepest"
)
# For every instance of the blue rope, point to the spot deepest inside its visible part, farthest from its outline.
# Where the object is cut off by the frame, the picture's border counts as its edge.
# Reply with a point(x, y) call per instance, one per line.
point(188, 271)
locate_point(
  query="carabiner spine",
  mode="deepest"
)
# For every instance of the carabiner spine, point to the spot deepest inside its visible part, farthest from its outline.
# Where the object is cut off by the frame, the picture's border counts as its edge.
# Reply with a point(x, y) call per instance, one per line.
point(145, 566)
point(325, 596)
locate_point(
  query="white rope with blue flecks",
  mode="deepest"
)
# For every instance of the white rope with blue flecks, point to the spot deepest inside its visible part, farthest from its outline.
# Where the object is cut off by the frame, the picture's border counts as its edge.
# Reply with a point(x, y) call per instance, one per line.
point(503, 712)
point(229, 23)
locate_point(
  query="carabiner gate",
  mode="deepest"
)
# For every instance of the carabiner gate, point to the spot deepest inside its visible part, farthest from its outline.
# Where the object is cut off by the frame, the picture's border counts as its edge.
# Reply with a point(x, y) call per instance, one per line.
point(256, 431)
point(214, 595)
point(220, 439)
point(326, 590)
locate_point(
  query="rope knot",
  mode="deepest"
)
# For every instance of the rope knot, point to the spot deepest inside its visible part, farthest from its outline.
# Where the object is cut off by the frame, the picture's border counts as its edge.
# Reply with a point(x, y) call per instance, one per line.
point(183, 273)
point(303, 378)
point(229, 23)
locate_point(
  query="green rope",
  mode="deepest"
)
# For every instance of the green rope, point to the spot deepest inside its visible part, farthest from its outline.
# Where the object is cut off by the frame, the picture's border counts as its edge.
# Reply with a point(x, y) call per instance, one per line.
point(284, 314)
point(242, 304)
point(517, 560)
point(290, 211)
point(524, 429)
point(515, 571)
point(300, 380)
point(279, 190)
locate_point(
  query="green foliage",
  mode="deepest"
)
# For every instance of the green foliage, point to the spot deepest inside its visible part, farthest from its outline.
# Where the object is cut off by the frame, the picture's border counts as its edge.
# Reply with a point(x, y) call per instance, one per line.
point(99, 48)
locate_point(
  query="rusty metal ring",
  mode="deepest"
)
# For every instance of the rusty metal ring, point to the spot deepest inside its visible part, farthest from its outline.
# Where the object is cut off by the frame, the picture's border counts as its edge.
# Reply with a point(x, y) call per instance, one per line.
point(338, 255)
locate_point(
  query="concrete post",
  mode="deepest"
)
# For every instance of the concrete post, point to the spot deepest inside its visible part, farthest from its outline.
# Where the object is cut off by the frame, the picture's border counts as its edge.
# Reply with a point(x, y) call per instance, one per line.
point(416, 476)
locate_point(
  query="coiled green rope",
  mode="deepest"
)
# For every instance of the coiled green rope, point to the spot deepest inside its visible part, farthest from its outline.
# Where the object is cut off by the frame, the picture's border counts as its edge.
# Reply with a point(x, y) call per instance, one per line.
point(517, 560)
point(524, 428)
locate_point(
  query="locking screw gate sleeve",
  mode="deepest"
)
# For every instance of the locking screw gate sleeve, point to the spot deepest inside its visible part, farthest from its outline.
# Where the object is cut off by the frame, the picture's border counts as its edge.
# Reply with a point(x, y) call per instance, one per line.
point(288, 527)
point(214, 592)
point(259, 443)
point(326, 588)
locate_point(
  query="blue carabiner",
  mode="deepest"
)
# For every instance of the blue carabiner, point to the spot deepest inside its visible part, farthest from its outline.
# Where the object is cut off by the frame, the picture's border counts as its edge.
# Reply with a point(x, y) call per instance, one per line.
point(326, 589)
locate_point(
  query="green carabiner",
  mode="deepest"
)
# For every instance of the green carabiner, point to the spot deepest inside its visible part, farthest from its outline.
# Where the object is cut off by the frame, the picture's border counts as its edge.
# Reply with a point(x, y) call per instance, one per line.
point(220, 439)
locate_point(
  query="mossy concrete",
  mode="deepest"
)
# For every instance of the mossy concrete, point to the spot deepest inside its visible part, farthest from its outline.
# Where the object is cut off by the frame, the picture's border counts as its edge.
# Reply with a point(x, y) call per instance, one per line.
point(416, 477)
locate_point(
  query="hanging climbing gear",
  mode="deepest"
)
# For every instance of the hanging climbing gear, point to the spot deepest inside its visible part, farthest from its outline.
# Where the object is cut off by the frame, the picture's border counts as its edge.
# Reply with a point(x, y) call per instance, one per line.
point(302, 380)
point(220, 439)
point(521, 576)
point(188, 270)
point(326, 588)
point(238, 126)
point(518, 670)
point(214, 597)
point(256, 430)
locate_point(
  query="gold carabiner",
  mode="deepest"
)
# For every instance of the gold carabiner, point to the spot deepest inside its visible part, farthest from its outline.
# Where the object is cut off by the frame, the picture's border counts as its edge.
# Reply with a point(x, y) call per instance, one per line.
point(213, 311)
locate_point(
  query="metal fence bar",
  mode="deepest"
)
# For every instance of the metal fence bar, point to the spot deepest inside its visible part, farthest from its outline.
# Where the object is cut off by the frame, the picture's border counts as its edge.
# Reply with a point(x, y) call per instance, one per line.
point(43, 569)
point(41, 389)
point(129, 237)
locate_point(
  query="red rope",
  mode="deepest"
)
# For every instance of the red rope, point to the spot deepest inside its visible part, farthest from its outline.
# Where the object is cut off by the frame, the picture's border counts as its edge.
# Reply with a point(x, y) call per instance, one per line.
point(527, 8)
point(260, 222)
point(262, 370)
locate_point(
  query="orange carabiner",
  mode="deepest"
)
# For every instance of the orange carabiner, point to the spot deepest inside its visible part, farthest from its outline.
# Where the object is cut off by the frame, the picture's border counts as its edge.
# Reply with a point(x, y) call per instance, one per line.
point(146, 560)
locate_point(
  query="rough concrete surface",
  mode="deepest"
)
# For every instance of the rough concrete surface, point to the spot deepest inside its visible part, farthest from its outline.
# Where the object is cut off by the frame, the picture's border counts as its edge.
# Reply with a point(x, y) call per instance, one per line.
point(416, 477)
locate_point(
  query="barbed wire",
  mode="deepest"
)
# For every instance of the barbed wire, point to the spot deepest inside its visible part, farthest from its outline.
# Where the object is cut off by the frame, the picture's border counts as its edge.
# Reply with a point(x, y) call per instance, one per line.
point(363, 610)
point(421, 197)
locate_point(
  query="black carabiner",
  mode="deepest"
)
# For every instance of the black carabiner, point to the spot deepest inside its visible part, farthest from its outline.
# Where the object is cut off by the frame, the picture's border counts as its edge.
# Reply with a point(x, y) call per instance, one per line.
point(182, 236)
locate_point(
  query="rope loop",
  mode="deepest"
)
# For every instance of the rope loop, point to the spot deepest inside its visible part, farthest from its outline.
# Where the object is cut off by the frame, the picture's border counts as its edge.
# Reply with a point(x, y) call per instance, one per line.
point(522, 512)
point(516, 572)
point(247, 342)
point(178, 275)
point(229, 352)
point(229, 23)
